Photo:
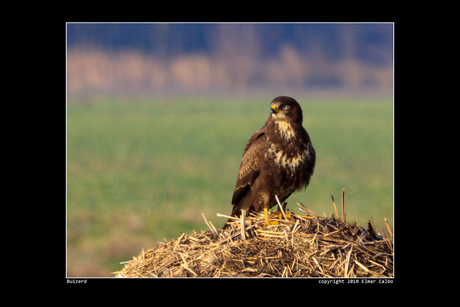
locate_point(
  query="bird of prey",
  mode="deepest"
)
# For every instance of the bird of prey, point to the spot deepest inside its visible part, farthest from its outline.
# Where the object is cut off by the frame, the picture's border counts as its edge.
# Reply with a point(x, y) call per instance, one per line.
point(277, 160)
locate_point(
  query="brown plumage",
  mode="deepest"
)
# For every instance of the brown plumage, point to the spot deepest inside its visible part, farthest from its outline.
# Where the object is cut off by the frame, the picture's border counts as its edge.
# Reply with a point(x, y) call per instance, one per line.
point(277, 160)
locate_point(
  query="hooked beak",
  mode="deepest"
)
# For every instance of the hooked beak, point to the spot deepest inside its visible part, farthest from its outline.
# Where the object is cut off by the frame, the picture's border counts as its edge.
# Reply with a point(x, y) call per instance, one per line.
point(273, 109)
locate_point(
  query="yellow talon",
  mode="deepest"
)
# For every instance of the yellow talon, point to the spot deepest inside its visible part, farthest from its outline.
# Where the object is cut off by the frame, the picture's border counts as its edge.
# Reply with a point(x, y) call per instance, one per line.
point(280, 215)
point(267, 222)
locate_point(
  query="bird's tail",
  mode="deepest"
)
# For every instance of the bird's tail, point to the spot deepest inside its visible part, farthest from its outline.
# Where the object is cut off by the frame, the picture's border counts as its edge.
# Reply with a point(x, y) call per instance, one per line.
point(236, 212)
point(227, 224)
point(243, 204)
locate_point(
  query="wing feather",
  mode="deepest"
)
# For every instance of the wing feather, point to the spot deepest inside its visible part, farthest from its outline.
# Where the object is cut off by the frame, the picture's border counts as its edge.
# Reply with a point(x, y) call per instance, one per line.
point(250, 164)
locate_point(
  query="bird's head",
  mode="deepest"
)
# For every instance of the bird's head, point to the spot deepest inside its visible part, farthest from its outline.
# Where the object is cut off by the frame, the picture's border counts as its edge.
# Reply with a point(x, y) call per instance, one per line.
point(285, 108)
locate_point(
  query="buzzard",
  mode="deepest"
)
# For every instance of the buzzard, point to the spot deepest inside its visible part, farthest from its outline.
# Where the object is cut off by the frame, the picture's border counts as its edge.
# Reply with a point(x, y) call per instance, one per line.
point(277, 160)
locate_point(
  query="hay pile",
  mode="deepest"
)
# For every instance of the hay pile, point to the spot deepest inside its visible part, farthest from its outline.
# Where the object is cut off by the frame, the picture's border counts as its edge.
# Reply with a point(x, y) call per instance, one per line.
point(299, 246)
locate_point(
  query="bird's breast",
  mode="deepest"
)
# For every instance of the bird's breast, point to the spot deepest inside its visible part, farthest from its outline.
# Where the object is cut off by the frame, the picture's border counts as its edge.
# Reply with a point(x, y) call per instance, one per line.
point(291, 159)
point(284, 130)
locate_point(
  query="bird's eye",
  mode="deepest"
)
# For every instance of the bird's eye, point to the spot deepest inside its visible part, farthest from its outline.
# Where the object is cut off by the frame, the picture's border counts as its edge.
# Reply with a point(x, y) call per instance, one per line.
point(284, 107)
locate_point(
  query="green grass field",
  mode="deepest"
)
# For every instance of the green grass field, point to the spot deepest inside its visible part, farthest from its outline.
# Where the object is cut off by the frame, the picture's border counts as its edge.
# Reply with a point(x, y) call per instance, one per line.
point(141, 170)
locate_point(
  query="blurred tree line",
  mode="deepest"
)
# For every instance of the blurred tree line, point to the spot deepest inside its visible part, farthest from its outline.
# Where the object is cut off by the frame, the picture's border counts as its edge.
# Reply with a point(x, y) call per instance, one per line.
point(203, 56)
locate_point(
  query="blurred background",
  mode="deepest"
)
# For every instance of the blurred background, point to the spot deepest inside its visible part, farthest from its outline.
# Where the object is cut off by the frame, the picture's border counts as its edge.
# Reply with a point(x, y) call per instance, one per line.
point(158, 115)
point(228, 58)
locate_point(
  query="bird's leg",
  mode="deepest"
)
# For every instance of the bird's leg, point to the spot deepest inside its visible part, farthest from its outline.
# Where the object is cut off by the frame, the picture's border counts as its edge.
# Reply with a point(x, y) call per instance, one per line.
point(267, 222)
point(264, 198)
point(266, 215)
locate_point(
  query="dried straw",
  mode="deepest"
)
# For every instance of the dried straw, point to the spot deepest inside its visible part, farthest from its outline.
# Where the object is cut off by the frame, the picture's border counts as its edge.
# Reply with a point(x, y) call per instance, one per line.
point(300, 246)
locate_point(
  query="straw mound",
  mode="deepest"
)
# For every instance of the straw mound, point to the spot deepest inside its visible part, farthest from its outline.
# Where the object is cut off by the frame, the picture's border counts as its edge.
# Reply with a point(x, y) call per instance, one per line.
point(300, 246)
